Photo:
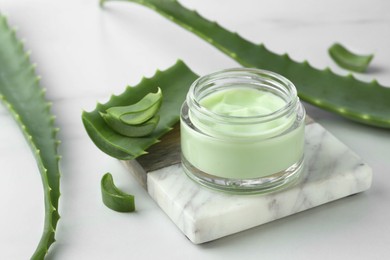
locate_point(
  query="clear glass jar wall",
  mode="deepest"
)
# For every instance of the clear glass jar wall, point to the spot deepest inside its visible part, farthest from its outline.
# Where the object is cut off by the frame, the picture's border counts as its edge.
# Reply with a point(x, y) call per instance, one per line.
point(242, 130)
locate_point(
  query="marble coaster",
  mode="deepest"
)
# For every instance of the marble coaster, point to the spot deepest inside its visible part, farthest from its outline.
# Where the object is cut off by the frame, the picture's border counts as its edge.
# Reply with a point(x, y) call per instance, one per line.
point(332, 171)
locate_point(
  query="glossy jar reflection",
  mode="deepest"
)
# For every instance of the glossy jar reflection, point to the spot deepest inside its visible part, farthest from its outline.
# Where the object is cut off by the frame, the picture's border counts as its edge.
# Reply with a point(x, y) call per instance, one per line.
point(242, 130)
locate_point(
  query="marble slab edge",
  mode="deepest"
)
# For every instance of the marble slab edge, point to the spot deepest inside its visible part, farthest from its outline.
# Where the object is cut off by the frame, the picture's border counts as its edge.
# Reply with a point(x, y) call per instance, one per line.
point(332, 171)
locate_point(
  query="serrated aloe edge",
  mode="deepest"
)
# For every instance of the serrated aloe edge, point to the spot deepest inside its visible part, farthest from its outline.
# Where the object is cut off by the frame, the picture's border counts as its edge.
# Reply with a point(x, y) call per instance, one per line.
point(21, 93)
point(367, 103)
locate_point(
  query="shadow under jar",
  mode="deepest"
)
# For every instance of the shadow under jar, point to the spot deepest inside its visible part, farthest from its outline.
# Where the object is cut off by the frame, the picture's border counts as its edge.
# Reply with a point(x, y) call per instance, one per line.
point(242, 131)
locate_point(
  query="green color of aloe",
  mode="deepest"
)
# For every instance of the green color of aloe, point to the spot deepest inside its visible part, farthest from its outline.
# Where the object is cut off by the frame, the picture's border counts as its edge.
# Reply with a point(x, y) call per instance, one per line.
point(139, 112)
point(363, 102)
point(174, 83)
point(141, 130)
point(349, 60)
point(136, 120)
point(113, 197)
point(22, 94)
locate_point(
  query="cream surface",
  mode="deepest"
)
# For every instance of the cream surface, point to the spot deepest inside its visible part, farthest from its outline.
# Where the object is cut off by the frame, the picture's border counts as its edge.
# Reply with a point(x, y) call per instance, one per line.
point(242, 102)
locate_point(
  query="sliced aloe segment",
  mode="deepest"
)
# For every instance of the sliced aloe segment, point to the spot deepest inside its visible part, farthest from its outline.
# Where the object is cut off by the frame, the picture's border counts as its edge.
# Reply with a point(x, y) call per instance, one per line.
point(174, 83)
point(349, 60)
point(114, 198)
point(144, 129)
point(139, 112)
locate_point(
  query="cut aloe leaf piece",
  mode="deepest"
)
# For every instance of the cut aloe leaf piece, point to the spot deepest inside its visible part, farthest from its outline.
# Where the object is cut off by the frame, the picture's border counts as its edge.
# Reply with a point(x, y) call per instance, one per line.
point(114, 198)
point(174, 83)
point(139, 112)
point(349, 60)
point(141, 130)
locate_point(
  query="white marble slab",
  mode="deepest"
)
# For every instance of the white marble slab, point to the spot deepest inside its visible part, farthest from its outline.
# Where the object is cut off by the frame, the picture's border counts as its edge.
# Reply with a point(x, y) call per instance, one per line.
point(332, 171)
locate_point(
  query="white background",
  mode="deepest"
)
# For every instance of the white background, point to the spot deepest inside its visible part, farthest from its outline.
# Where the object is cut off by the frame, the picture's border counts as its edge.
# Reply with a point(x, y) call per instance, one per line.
point(85, 53)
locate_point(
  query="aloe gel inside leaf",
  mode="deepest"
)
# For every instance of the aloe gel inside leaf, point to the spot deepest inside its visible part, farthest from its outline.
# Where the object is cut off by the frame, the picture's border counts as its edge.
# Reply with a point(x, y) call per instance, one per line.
point(21, 92)
point(141, 116)
point(114, 198)
point(144, 129)
point(349, 60)
point(140, 112)
point(174, 83)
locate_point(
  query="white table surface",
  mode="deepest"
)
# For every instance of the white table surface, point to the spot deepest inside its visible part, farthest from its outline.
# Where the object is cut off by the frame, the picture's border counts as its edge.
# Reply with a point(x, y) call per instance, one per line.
point(85, 53)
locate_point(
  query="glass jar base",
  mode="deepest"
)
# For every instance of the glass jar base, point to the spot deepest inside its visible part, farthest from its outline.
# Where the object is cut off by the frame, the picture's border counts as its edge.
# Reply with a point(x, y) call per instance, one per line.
point(266, 184)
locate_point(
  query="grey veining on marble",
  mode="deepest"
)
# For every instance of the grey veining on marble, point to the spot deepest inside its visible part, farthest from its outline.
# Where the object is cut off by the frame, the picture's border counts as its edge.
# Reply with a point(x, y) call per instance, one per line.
point(332, 171)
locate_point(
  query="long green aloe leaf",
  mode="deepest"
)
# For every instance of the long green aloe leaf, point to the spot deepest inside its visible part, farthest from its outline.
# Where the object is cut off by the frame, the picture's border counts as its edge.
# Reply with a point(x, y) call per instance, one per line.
point(363, 102)
point(21, 93)
point(174, 83)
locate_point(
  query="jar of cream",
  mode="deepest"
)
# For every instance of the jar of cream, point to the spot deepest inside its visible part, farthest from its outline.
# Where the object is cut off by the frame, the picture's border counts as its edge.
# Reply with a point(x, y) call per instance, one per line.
point(242, 130)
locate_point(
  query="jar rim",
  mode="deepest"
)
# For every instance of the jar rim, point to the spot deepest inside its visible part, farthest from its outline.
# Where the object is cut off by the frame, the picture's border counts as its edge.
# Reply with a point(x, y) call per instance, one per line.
point(267, 78)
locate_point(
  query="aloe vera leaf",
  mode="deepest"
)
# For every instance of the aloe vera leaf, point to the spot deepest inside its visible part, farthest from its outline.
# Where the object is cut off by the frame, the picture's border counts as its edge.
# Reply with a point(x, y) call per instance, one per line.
point(22, 94)
point(113, 197)
point(367, 103)
point(349, 60)
point(140, 112)
point(174, 83)
point(141, 130)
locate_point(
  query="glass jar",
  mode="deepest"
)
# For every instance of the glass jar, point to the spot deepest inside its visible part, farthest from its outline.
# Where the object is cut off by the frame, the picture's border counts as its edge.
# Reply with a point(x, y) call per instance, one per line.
point(242, 130)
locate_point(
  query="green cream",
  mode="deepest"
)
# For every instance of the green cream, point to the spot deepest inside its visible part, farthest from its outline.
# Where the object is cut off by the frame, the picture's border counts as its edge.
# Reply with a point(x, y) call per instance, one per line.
point(242, 102)
point(242, 150)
